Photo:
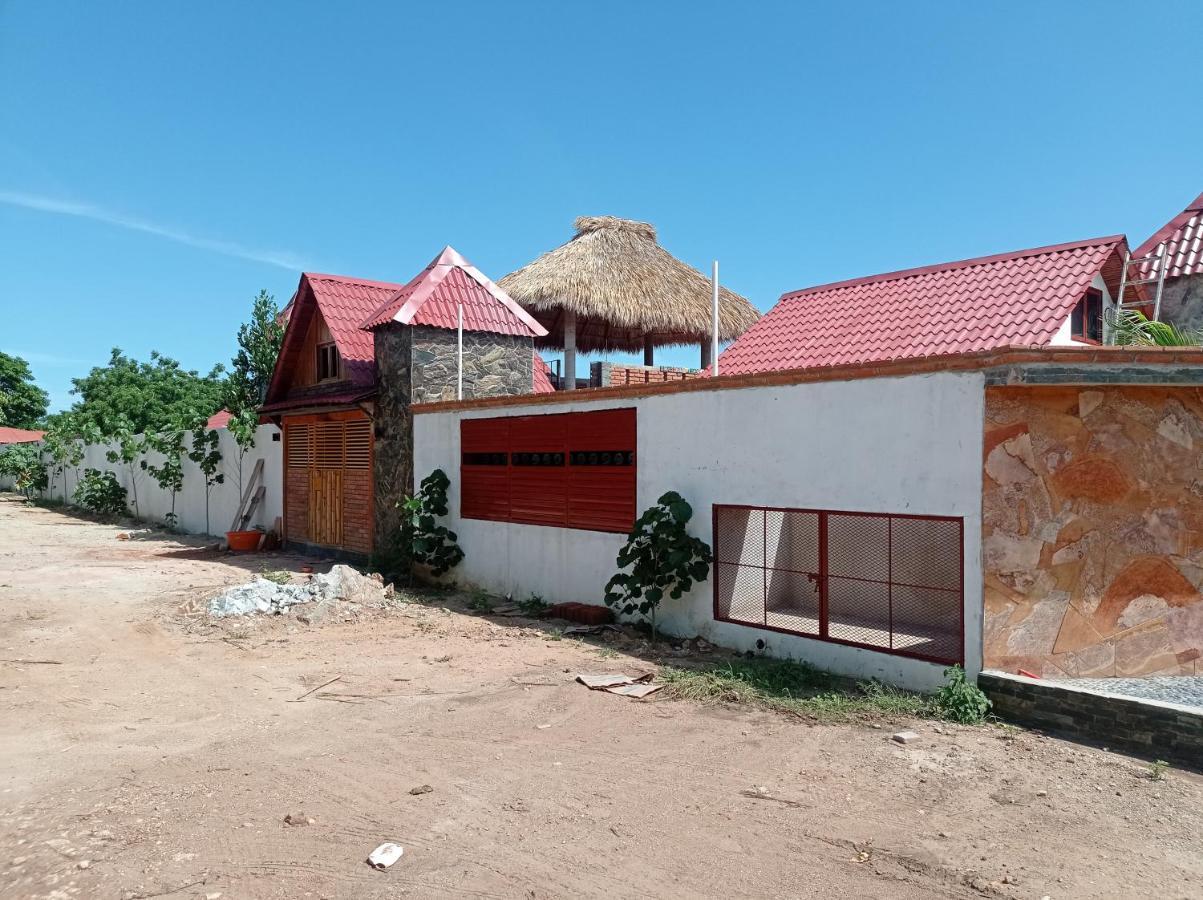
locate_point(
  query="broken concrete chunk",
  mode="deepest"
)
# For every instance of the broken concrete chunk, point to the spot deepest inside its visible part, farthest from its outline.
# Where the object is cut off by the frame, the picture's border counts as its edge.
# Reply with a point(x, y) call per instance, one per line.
point(905, 737)
point(340, 584)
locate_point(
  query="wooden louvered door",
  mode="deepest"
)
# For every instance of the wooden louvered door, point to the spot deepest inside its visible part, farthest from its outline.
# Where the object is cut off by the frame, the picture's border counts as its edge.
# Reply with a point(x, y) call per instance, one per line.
point(329, 474)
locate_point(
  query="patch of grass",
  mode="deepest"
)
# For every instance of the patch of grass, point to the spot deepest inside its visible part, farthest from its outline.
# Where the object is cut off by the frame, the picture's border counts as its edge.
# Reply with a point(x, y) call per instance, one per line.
point(556, 634)
point(279, 576)
point(607, 652)
point(480, 602)
point(533, 606)
point(794, 688)
point(1156, 770)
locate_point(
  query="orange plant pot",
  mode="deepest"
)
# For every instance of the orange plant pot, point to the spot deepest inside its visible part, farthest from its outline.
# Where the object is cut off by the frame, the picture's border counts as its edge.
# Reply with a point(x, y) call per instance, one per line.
point(243, 541)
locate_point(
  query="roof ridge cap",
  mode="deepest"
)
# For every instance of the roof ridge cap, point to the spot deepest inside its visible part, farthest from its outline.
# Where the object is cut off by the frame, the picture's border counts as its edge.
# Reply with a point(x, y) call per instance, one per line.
point(902, 274)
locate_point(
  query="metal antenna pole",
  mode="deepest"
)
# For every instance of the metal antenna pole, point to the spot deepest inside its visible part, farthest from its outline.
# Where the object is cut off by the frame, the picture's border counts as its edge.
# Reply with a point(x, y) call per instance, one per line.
point(459, 356)
point(714, 322)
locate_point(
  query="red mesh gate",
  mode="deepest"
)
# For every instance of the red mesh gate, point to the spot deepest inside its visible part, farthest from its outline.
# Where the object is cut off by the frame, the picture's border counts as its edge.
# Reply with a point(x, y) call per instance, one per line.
point(893, 583)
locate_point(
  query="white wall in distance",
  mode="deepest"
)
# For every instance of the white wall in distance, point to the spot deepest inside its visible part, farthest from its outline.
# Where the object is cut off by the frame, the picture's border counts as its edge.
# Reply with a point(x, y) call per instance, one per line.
point(909, 444)
point(154, 503)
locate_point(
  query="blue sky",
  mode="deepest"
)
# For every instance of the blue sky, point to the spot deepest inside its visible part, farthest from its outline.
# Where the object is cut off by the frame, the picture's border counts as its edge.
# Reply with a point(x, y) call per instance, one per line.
point(162, 162)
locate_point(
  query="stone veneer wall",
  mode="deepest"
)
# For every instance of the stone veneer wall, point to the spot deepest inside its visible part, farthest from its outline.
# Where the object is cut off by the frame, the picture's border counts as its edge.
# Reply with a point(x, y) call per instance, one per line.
point(418, 365)
point(1182, 302)
point(393, 429)
point(1092, 530)
point(495, 365)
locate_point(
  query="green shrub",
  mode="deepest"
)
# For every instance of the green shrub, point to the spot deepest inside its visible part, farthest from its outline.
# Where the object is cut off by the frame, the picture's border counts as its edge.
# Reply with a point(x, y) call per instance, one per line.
point(662, 558)
point(427, 542)
point(101, 493)
point(960, 700)
point(23, 463)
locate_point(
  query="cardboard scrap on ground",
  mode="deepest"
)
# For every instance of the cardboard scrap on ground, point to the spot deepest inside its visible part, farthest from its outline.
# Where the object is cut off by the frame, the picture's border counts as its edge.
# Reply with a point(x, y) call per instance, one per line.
point(624, 685)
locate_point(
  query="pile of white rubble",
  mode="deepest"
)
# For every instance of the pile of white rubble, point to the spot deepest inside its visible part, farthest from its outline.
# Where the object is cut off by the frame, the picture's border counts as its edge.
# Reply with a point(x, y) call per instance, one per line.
point(342, 583)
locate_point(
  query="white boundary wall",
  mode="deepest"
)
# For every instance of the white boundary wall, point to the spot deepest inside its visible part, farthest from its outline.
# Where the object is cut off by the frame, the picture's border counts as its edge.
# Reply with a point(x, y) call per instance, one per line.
point(910, 444)
point(154, 503)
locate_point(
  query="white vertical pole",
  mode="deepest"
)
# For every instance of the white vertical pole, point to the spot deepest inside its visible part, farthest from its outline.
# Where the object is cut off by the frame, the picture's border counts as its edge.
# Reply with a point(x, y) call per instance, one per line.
point(569, 350)
point(459, 354)
point(714, 313)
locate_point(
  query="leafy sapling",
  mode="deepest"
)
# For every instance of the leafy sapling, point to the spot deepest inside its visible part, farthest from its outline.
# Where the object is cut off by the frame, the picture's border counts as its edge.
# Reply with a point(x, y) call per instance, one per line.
point(206, 453)
point(427, 542)
point(661, 558)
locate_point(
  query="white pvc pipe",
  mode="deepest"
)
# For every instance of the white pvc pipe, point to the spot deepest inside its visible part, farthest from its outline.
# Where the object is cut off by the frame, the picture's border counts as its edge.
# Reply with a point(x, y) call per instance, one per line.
point(459, 354)
point(714, 322)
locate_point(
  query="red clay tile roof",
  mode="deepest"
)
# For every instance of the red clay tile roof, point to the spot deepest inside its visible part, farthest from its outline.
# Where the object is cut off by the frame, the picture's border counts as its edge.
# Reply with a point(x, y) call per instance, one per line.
point(1183, 236)
point(344, 303)
point(1019, 298)
point(219, 419)
point(435, 294)
point(543, 383)
point(19, 435)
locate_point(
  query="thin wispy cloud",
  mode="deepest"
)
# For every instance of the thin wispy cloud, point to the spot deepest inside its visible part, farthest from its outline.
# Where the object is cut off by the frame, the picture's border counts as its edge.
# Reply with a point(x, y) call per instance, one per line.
point(47, 359)
point(55, 206)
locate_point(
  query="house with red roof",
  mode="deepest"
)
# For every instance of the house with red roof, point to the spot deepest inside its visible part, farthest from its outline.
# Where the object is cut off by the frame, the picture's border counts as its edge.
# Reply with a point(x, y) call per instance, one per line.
point(1046, 296)
point(356, 355)
point(1180, 241)
point(19, 436)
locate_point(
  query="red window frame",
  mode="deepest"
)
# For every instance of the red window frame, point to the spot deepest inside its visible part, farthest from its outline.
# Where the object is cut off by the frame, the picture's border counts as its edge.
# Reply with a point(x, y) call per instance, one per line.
point(564, 470)
point(818, 577)
point(1084, 317)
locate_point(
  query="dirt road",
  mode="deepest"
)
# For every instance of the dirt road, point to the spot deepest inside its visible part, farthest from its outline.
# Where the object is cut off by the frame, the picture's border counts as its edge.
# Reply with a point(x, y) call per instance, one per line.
point(161, 755)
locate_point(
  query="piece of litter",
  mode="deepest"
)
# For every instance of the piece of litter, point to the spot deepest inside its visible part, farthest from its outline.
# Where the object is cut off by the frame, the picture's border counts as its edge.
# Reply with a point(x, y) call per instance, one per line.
point(542, 726)
point(590, 629)
point(385, 855)
point(905, 737)
point(624, 685)
point(421, 789)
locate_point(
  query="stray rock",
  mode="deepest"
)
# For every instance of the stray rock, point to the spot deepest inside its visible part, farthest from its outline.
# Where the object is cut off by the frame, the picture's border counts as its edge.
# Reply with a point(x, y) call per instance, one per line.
point(297, 819)
point(123, 536)
point(905, 737)
point(1042, 793)
point(421, 789)
point(83, 863)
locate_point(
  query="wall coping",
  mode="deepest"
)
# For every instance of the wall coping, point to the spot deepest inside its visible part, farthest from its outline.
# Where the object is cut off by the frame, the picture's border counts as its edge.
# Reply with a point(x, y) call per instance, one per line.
point(1007, 366)
point(1092, 692)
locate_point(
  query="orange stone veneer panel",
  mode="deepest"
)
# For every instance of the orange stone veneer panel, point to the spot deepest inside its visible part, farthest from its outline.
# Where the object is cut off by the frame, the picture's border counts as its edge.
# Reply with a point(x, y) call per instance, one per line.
point(1092, 530)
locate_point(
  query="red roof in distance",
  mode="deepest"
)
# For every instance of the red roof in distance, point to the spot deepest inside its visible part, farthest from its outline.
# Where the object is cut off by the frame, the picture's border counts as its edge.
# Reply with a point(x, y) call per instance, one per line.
point(19, 435)
point(1183, 237)
point(435, 295)
point(1009, 299)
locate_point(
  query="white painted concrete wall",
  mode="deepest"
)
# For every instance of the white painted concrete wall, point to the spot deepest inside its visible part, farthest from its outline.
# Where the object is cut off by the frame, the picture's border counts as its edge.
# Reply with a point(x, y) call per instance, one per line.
point(901, 445)
point(154, 503)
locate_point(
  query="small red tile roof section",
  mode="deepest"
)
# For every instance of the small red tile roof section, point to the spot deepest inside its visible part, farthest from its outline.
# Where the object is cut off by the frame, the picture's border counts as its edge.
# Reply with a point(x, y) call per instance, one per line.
point(219, 419)
point(435, 294)
point(19, 435)
point(1010, 299)
point(543, 383)
point(1183, 237)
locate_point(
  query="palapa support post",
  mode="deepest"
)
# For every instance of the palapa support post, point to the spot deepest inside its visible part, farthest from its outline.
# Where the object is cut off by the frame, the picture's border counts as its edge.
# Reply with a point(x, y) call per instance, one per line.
point(649, 351)
point(569, 350)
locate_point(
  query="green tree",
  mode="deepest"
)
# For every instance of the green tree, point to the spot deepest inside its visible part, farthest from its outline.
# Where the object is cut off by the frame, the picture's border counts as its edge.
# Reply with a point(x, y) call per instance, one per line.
point(169, 472)
point(22, 403)
point(143, 397)
point(206, 453)
point(62, 446)
point(259, 342)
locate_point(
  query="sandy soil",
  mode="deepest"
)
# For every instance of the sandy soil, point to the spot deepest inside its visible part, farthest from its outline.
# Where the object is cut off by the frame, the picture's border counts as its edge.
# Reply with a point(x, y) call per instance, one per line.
point(162, 755)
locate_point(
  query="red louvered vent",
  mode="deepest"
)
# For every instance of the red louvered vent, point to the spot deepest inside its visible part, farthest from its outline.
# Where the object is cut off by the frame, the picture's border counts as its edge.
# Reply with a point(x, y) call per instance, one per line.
point(570, 470)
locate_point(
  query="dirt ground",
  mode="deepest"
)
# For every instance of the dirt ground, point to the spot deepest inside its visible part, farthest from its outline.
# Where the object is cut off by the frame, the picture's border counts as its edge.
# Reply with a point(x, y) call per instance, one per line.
point(161, 756)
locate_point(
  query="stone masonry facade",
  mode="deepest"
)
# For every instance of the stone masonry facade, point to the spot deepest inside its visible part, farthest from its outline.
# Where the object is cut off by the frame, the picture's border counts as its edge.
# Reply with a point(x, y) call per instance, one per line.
point(418, 365)
point(1182, 302)
point(1092, 531)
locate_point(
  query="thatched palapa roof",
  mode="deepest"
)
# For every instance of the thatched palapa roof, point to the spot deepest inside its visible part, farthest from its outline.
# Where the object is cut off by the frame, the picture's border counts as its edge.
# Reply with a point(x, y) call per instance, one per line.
point(623, 286)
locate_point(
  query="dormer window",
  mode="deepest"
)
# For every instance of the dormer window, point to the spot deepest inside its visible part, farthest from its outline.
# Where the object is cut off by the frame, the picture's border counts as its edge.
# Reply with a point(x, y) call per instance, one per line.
point(327, 362)
point(1086, 320)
